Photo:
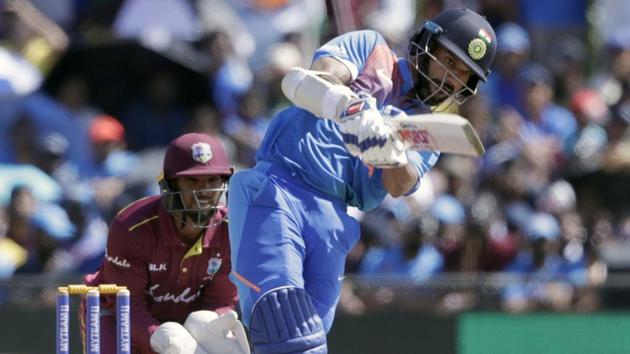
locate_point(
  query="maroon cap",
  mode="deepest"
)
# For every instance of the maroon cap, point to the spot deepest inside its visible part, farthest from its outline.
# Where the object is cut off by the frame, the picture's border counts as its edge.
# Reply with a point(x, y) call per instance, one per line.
point(196, 154)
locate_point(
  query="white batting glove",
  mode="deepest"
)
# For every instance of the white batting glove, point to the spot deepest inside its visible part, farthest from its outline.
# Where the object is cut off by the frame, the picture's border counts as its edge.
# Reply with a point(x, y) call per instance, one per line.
point(367, 135)
point(390, 155)
point(218, 334)
point(361, 124)
point(390, 152)
point(173, 338)
point(359, 114)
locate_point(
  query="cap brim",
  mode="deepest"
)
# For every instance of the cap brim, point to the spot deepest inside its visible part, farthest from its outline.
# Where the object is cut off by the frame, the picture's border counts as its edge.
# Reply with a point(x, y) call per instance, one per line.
point(204, 172)
point(455, 49)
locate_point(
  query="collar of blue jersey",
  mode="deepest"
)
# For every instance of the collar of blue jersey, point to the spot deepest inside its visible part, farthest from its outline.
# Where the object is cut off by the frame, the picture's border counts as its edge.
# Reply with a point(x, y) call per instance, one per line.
point(404, 67)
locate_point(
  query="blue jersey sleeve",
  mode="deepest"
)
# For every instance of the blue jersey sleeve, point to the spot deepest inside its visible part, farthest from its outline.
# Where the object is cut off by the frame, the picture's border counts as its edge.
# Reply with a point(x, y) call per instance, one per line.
point(352, 49)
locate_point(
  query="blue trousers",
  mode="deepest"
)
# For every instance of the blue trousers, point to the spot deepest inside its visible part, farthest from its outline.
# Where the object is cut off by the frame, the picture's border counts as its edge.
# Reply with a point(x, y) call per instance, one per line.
point(284, 233)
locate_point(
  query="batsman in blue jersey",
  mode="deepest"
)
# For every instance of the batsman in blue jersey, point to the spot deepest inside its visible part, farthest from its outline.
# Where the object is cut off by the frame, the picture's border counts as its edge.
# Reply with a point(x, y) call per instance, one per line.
point(288, 228)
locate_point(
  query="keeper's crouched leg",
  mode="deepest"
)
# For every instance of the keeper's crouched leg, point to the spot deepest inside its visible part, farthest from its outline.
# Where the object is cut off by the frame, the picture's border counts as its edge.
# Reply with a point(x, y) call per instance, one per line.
point(284, 321)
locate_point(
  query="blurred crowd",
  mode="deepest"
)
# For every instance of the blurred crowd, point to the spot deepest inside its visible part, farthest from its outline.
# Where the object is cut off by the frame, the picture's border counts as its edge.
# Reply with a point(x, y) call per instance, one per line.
point(91, 91)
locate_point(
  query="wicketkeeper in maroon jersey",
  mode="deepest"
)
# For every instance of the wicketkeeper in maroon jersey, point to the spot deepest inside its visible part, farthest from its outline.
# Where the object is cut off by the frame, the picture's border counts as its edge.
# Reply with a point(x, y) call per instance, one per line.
point(172, 252)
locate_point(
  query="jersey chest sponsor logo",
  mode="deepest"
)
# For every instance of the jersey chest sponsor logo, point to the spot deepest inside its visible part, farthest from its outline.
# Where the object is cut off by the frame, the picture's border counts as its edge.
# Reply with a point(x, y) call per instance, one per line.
point(185, 296)
point(157, 267)
point(121, 262)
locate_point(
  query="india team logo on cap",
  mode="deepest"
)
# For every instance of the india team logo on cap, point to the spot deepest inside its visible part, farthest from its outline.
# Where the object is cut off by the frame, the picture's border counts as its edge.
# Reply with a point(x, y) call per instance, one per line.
point(477, 49)
point(201, 152)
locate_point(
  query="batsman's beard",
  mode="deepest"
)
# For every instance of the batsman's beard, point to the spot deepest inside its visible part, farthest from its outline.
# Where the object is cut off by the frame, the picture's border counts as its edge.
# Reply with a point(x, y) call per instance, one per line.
point(428, 97)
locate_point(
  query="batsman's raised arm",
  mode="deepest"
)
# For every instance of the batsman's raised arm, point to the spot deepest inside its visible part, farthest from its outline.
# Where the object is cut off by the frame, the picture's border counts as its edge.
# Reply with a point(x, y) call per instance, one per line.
point(320, 90)
point(323, 88)
point(335, 68)
point(324, 85)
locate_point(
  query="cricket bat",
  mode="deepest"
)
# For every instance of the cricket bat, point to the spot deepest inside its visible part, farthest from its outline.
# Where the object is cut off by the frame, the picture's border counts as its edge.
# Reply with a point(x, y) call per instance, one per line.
point(444, 132)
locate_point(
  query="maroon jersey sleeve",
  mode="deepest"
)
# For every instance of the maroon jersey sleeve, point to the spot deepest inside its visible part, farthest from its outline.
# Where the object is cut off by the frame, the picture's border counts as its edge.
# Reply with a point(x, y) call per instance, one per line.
point(125, 264)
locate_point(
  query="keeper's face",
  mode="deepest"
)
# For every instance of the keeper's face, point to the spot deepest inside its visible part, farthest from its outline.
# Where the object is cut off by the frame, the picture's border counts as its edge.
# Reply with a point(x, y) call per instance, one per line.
point(200, 193)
